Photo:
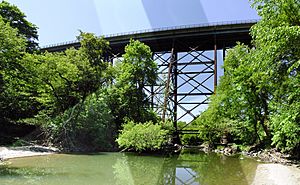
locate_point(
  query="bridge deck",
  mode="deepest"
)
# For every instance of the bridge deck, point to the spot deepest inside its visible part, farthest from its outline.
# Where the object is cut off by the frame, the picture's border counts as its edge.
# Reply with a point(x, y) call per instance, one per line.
point(226, 33)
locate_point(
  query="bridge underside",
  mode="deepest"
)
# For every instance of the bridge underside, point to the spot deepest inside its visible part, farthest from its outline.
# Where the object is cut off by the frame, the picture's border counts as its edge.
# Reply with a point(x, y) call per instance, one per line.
point(188, 63)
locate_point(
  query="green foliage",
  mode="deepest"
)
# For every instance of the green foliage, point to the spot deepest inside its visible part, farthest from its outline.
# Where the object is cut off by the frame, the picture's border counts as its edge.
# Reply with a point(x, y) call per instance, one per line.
point(277, 38)
point(17, 19)
point(222, 118)
point(93, 48)
point(63, 82)
point(127, 95)
point(256, 99)
point(19, 142)
point(60, 80)
point(141, 137)
point(137, 68)
point(12, 48)
point(86, 126)
point(286, 120)
point(190, 139)
point(58, 89)
point(55, 85)
point(239, 108)
point(52, 82)
point(286, 129)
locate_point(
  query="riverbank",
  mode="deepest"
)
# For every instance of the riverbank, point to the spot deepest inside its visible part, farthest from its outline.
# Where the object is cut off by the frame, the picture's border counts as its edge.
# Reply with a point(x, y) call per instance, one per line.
point(276, 168)
point(279, 168)
point(263, 155)
point(267, 173)
point(25, 151)
point(276, 174)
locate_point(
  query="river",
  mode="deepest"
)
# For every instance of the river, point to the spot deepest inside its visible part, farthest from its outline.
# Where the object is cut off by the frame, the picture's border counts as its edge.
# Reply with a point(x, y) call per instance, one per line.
point(128, 169)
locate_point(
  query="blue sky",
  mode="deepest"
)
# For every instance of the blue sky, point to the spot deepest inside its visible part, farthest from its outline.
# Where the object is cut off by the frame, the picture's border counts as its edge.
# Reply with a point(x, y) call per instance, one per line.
point(60, 20)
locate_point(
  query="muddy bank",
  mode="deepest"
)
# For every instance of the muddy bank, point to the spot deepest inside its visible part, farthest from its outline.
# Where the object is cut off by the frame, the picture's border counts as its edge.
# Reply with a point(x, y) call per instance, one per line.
point(264, 155)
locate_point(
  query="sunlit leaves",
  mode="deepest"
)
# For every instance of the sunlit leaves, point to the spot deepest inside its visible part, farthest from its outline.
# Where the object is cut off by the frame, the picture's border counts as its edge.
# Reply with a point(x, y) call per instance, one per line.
point(12, 48)
point(13, 16)
point(260, 88)
point(136, 70)
point(141, 137)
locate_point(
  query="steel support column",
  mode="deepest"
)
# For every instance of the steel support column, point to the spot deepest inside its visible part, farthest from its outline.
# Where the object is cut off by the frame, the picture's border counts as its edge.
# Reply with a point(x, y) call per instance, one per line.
point(175, 82)
point(215, 65)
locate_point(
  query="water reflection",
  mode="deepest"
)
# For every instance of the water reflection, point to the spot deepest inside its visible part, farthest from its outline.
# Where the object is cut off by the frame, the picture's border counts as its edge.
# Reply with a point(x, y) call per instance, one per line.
point(216, 169)
point(187, 168)
point(135, 169)
point(126, 169)
point(16, 176)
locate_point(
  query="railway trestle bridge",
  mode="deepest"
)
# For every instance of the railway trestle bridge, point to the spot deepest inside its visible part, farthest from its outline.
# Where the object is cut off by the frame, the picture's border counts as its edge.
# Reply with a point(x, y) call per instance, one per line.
point(188, 58)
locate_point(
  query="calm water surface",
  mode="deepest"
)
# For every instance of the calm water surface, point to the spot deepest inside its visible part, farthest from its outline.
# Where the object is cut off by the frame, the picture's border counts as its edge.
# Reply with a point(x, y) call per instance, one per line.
point(127, 169)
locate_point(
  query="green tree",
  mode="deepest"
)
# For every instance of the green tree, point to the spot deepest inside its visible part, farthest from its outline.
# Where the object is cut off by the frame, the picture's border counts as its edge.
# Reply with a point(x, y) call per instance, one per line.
point(93, 48)
point(61, 80)
point(277, 36)
point(12, 47)
point(257, 95)
point(17, 19)
point(64, 86)
point(240, 107)
point(51, 82)
point(87, 126)
point(137, 70)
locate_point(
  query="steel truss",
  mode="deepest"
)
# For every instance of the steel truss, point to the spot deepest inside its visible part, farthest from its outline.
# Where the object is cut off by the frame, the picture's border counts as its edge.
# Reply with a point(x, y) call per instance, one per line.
point(187, 80)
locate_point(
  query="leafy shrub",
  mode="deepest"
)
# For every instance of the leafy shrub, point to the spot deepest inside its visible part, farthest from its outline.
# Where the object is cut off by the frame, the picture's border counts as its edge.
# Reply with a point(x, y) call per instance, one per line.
point(286, 129)
point(86, 126)
point(190, 139)
point(94, 123)
point(141, 137)
point(213, 123)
